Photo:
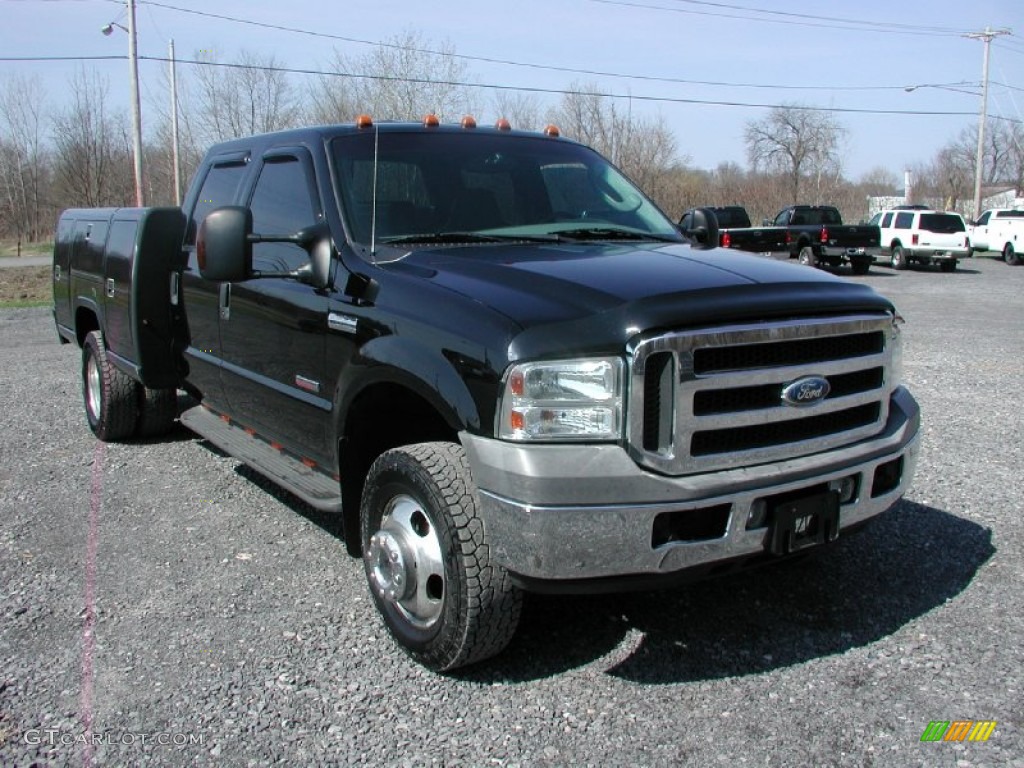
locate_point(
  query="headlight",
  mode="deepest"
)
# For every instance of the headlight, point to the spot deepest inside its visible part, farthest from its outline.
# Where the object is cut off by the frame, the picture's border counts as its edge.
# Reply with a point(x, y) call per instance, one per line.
point(563, 400)
point(896, 352)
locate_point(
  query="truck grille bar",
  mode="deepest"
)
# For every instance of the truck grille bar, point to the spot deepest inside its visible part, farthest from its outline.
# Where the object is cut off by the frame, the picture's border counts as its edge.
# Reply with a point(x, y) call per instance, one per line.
point(711, 399)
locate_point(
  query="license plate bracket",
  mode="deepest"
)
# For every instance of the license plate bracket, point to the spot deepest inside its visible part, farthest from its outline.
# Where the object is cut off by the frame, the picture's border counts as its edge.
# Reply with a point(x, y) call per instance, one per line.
point(804, 521)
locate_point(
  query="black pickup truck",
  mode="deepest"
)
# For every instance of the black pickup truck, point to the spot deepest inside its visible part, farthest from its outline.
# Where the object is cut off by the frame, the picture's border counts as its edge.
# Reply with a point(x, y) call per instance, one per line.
point(496, 360)
point(816, 235)
point(735, 230)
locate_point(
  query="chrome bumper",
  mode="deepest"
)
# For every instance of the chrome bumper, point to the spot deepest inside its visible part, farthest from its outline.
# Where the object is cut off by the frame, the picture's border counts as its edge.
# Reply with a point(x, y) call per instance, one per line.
point(564, 512)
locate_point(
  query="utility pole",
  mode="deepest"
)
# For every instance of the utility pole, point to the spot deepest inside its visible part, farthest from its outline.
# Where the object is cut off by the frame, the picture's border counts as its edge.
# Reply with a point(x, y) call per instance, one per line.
point(175, 152)
point(986, 36)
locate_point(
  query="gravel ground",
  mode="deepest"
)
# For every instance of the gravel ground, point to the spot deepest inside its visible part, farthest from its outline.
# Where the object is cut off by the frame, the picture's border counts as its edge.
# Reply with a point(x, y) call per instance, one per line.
point(182, 611)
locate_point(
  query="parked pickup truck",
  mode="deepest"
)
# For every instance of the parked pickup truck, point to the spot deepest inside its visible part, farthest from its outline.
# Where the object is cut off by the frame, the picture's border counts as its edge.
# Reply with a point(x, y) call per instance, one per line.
point(496, 360)
point(735, 231)
point(816, 235)
point(1000, 230)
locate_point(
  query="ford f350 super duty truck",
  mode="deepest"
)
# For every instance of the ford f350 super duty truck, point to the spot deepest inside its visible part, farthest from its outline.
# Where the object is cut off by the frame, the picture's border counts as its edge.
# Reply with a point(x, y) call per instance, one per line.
point(497, 360)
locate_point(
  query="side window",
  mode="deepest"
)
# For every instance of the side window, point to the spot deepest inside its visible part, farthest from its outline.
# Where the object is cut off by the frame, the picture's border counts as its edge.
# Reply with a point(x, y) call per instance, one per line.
point(219, 189)
point(875, 219)
point(281, 205)
point(904, 220)
point(886, 220)
point(984, 218)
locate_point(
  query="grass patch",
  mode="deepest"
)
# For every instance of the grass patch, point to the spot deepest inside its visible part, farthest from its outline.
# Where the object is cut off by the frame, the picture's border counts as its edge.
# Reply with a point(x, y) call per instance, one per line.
point(25, 287)
point(10, 248)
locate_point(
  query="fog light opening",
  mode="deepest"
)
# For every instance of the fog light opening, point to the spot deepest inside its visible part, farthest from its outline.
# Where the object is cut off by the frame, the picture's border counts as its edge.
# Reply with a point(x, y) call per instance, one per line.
point(846, 487)
point(887, 477)
point(757, 517)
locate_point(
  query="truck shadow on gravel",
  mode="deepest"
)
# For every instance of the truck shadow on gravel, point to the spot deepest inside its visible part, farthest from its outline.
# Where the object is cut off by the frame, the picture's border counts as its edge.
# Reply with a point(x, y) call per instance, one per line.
point(858, 591)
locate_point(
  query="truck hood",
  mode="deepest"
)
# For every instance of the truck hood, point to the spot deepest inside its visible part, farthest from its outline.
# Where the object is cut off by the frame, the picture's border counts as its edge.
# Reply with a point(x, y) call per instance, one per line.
point(603, 294)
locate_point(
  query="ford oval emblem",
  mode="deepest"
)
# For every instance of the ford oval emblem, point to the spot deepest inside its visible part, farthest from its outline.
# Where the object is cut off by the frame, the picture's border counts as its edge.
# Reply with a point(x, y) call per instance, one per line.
point(806, 391)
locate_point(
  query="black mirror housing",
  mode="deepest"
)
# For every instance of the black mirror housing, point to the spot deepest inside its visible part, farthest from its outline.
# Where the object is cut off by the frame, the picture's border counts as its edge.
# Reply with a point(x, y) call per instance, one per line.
point(700, 227)
point(223, 245)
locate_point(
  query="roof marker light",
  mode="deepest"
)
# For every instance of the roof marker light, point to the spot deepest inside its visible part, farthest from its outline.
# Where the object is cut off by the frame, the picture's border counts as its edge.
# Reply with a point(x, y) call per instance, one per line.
point(431, 121)
point(364, 121)
point(503, 124)
point(468, 122)
point(552, 131)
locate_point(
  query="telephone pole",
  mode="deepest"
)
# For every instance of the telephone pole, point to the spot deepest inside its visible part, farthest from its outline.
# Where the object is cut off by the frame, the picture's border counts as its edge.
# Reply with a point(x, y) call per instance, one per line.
point(986, 36)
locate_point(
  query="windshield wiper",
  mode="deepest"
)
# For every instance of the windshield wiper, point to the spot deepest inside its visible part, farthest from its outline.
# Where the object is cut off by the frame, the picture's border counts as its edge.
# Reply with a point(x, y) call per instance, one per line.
point(466, 237)
point(610, 233)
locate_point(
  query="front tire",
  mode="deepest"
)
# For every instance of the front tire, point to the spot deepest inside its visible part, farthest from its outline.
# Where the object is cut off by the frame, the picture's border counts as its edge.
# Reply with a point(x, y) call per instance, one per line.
point(1010, 256)
point(110, 402)
point(898, 258)
point(428, 560)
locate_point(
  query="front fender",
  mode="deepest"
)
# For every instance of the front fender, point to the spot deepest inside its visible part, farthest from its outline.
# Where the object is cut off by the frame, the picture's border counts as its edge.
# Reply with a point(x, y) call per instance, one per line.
point(425, 371)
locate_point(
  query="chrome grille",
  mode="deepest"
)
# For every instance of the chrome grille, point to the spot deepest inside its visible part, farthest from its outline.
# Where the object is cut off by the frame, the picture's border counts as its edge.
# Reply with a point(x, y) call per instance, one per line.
point(711, 398)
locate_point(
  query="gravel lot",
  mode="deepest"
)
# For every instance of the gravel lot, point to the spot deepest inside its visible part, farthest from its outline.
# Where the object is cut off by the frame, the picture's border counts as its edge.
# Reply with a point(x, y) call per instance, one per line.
point(185, 612)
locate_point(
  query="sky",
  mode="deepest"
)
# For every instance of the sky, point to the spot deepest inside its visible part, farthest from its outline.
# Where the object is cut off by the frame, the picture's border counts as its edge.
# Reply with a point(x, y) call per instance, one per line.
point(706, 68)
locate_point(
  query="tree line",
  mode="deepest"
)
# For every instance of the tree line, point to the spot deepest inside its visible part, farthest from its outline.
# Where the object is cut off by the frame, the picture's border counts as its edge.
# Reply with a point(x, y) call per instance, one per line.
point(79, 153)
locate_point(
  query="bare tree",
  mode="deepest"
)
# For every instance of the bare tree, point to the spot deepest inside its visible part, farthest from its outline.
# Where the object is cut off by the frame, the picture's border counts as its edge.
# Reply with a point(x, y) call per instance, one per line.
point(802, 144)
point(24, 161)
point(92, 163)
point(644, 148)
point(250, 95)
point(404, 78)
point(522, 110)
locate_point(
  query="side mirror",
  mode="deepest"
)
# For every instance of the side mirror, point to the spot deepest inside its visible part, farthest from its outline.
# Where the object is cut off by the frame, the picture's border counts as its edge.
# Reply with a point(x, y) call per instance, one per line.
point(223, 245)
point(318, 272)
point(700, 227)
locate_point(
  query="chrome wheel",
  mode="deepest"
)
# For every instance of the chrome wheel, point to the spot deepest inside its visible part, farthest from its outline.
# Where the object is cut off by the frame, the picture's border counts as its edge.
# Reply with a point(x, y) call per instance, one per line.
point(93, 391)
point(405, 564)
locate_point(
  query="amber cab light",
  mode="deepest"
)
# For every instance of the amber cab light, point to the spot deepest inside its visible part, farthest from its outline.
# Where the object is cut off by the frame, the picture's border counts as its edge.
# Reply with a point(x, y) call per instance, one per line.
point(468, 122)
point(431, 121)
point(364, 121)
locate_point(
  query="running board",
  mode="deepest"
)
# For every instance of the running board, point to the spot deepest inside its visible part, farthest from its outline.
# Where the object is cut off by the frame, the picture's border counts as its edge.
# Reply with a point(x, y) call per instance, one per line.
point(315, 488)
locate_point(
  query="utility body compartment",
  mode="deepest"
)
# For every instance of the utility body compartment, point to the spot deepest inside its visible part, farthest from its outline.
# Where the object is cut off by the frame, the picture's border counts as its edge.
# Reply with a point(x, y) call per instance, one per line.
point(121, 266)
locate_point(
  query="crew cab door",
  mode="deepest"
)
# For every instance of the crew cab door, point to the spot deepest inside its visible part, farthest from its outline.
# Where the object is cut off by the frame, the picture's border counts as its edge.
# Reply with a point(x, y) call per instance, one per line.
point(224, 176)
point(273, 329)
point(980, 234)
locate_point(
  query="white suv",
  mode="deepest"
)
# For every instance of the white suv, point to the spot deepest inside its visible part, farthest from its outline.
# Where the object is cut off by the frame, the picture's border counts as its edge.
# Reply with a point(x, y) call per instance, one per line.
point(917, 234)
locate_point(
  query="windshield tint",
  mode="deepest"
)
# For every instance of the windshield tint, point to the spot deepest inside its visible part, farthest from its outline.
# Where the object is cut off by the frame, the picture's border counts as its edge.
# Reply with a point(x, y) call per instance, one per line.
point(433, 183)
point(943, 223)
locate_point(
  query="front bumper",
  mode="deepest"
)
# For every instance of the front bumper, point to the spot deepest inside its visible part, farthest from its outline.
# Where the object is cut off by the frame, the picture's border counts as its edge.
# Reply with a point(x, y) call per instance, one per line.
point(571, 513)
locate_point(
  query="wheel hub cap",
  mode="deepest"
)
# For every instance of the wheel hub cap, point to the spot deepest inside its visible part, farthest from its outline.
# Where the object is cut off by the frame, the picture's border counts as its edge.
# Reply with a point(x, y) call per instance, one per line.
point(390, 572)
point(405, 563)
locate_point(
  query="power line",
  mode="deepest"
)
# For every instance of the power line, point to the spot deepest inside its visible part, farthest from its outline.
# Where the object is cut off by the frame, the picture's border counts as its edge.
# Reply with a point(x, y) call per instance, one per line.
point(568, 91)
point(850, 25)
point(512, 63)
point(519, 88)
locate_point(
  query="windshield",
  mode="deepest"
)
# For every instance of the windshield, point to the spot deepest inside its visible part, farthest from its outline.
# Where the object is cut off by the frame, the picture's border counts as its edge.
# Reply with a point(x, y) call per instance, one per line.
point(444, 186)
